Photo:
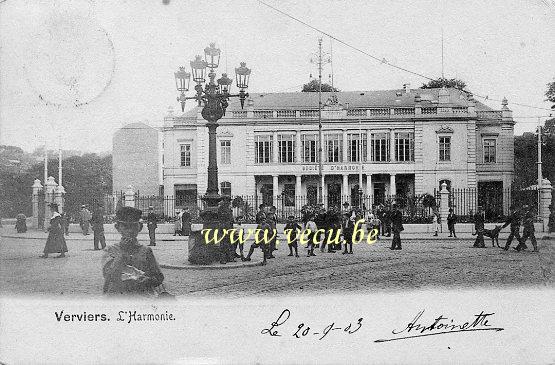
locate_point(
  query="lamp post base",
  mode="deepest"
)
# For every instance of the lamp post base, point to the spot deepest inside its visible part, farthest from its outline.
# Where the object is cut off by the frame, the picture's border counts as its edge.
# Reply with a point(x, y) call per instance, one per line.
point(202, 252)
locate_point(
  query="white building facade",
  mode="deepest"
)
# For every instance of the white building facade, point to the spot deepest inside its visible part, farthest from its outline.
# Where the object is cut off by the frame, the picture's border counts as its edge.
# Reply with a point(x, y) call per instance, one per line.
point(378, 143)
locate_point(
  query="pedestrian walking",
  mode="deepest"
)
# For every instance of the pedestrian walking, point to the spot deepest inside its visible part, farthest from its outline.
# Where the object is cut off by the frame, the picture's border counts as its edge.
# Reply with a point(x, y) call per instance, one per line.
point(56, 242)
point(151, 225)
point(97, 222)
point(129, 267)
point(396, 227)
point(186, 222)
point(65, 222)
point(348, 230)
point(84, 219)
point(271, 219)
point(261, 214)
point(514, 221)
point(294, 230)
point(310, 229)
point(21, 223)
point(479, 220)
point(451, 221)
point(262, 227)
point(528, 230)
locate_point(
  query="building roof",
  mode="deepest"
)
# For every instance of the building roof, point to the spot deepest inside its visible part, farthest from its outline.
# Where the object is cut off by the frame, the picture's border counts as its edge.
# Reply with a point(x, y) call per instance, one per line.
point(355, 99)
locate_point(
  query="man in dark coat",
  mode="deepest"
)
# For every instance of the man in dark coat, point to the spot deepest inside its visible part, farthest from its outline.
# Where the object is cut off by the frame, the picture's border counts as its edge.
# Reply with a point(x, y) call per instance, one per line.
point(386, 222)
point(514, 221)
point(129, 267)
point(261, 214)
point(528, 231)
point(347, 230)
point(396, 218)
point(451, 220)
point(479, 220)
point(151, 224)
point(186, 222)
point(97, 222)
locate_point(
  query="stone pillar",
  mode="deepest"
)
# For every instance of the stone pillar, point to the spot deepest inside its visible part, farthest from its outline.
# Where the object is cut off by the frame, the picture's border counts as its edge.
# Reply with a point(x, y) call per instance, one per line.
point(130, 197)
point(345, 188)
point(545, 196)
point(275, 189)
point(344, 147)
point(299, 201)
point(59, 197)
point(49, 197)
point(392, 185)
point(444, 204)
point(37, 186)
point(391, 145)
point(369, 190)
point(298, 145)
point(275, 149)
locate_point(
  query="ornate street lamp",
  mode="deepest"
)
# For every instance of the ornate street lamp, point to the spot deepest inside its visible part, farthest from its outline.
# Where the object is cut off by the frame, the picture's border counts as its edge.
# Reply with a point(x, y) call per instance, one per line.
point(214, 99)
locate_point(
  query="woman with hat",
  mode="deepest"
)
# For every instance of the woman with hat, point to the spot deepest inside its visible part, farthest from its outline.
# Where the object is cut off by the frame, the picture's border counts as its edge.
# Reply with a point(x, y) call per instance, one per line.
point(129, 267)
point(55, 243)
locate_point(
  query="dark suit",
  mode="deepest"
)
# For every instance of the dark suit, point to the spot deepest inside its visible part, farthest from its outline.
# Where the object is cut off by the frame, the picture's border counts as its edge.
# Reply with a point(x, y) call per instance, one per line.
point(97, 222)
point(528, 231)
point(514, 221)
point(151, 225)
point(397, 227)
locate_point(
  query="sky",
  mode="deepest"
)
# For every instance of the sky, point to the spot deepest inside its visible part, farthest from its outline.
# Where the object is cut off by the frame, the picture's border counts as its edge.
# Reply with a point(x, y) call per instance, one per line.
point(75, 71)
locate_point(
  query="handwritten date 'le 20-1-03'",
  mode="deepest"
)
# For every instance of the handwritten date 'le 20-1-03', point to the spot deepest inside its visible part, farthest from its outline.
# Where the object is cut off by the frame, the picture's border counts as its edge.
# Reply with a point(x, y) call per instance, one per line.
point(440, 325)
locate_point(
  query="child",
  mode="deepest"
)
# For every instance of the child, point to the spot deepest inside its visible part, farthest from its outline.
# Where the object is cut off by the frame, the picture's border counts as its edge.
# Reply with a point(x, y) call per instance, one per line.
point(293, 237)
point(373, 223)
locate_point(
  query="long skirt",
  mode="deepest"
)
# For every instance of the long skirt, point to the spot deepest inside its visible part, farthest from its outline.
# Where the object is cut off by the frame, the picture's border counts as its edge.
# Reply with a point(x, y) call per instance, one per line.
point(55, 243)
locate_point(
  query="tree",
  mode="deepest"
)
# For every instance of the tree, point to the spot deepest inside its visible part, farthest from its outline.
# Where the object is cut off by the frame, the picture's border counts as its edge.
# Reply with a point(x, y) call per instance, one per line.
point(441, 82)
point(526, 157)
point(550, 93)
point(313, 86)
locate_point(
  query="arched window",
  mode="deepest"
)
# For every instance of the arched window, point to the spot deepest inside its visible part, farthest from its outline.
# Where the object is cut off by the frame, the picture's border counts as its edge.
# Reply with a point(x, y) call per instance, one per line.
point(225, 188)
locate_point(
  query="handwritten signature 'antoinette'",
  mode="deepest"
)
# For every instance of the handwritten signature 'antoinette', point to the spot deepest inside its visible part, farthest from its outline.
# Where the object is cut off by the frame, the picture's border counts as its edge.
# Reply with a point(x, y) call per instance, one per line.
point(442, 325)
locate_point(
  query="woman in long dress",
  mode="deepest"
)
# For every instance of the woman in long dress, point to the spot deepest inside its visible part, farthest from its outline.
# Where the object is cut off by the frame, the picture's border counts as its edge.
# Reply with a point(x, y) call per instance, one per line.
point(55, 243)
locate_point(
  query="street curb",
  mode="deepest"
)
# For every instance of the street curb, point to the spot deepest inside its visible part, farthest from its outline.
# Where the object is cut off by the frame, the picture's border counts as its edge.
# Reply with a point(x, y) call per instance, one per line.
point(211, 267)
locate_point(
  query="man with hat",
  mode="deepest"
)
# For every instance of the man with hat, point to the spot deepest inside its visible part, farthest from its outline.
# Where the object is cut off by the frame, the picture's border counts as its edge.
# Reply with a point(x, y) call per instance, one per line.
point(529, 230)
point(396, 226)
point(151, 225)
point(514, 221)
point(97, 222)
point(479, 220)
point(84, 219)
point(129, 267)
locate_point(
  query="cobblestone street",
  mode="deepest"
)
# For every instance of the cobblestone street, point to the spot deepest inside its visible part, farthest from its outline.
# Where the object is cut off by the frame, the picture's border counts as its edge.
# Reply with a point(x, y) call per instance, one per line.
point(422, 263)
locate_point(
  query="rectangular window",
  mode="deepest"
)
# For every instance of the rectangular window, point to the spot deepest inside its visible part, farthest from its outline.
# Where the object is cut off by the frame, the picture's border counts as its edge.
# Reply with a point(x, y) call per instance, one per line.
point(334, 147)
point(286, 148)
point(445, 148)
point(225, 188)
point(263, 147)
point(310, 147)
point(404, 146)
point(186, 155)
point(354, 151)
point(225, 152)
point(489, 150)
point(380, 147)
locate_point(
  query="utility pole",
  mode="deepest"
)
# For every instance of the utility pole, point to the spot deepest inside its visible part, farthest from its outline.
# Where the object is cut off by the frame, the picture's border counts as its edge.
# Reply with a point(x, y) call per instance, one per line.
point(45, 164)
point(320, 174)
point(540, 179)
point(60, 160)
point(360, 154)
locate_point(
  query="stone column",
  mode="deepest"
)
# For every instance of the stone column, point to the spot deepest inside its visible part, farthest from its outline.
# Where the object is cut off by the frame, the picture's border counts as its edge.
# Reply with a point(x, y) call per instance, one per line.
point(345, 147)
point(299, 201)
point(275, 149)
point(444, 204)
point(392, 185)
point(391, 145)
point(345, 188)
point(275, 189)
point(49, 196)
point(545, 203)
point(369, 190)
point(37, 186)
point(130, 197)
point(298, 146)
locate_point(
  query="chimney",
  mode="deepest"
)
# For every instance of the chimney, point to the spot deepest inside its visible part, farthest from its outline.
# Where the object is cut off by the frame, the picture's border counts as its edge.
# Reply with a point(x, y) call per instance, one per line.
point(406, 87)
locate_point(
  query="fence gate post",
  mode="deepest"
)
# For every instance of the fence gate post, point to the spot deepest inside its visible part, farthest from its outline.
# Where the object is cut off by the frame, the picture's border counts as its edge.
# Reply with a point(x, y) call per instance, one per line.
point(444, 204)
point(130, 197)
point(37, 186)
point(545, 204)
